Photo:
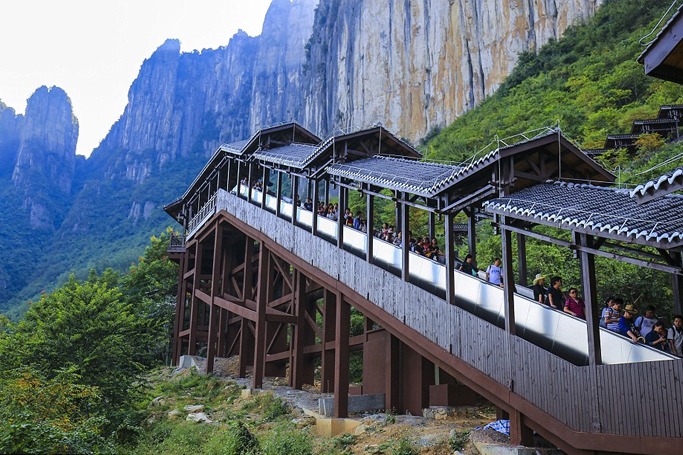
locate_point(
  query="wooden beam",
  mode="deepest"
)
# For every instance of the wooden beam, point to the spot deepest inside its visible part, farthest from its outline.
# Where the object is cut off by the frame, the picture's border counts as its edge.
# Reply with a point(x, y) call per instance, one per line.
point(405, 239)
point(327, 367)
point(341, 357)
point(278, 194)
point(472, 233)
point(521, 260)
point(264, 274)
point(214, 310)
point(370, 227)
point(591, 300)
point(596, 252)
point(297, 361)
point(295, 196)
point(192, 341)
point(508, 282)
point(392, 374)
point(450, 258)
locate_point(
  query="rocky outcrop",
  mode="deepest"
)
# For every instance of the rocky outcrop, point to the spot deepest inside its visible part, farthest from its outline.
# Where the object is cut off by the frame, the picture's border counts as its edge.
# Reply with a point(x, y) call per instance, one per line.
point(48, 138)
point(185, 104)
point(342, 64)
point(45, 162)
point(10, 128)
point(418, 65)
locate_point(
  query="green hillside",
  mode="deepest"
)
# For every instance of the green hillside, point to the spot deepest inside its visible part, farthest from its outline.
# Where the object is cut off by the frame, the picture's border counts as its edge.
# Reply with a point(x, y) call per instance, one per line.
point(588, 81)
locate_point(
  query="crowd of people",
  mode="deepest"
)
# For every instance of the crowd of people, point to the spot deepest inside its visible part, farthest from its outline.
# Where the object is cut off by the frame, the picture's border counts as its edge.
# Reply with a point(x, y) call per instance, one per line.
point(615, 316)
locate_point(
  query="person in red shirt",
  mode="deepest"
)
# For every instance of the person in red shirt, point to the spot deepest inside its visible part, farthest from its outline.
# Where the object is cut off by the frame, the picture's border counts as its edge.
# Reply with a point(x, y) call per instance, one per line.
point(574, 305)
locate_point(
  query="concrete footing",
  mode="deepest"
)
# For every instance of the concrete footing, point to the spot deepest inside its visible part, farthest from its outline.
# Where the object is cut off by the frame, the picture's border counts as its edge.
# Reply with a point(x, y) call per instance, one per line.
point(357, 403)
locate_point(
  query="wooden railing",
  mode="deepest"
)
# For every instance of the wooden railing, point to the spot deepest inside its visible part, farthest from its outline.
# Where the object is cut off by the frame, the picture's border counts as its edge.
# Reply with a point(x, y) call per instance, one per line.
point(176, 243)
point(205, 212)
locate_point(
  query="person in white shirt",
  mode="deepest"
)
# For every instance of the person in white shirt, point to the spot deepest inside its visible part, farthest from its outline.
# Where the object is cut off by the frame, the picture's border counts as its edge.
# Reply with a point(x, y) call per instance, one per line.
point(494, 274)
point(647, 321)
point(675, 336)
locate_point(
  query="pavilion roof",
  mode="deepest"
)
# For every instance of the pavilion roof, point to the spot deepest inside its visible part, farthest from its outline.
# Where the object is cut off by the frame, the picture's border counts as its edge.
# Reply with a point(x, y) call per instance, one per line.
point(663, 57)
point(602, 211)
point(293, 154)
point(665, 184)
point(234, 147)
point(416, 177)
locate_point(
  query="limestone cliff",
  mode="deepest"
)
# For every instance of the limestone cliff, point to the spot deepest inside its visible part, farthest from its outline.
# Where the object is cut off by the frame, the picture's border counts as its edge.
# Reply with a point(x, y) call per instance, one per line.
point(415, 65)
point(186, 104)
point(45, 161)
point(10, 127)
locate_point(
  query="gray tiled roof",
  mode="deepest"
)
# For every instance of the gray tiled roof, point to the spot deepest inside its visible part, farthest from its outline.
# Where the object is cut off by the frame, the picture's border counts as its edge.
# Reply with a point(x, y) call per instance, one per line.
point(604, 211)
point(289, 155)
point(671, 181)
point(235, 147)
point(416, 177)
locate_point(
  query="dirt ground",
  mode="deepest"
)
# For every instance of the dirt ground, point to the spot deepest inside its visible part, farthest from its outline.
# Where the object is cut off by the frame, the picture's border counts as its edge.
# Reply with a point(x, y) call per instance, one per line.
point(431, 435)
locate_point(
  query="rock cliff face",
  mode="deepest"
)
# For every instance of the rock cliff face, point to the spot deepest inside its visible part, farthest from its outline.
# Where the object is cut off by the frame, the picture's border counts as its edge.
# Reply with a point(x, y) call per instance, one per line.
point(184, 104)
point(412, 65)
point(415, 65)
point(10, 127)
point(45, 161)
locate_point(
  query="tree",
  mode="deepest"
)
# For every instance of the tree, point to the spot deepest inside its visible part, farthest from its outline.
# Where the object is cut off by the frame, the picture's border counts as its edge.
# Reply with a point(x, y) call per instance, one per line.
point(85, 329)
point(150, 287)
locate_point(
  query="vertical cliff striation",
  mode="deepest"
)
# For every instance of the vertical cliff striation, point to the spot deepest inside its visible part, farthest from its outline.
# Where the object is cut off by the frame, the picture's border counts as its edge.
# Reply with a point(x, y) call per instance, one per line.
point(44, 167)
point(185, 104)
point(416, 65)
point(10, 128)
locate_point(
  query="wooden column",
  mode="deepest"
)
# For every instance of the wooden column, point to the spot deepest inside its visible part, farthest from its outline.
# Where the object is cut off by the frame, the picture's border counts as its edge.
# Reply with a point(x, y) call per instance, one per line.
point(369, 226)
point(250, 181)
point(180, 307)
point(520, 434)
point(472, 233)
point(340, 216)
point(260, 347)
point(316, 202)
point(521, 259)
point(341, 358)
point(405, 240)
point(392, 373)
point(245, 347)
point(295, 194)
point(432, 225)
point(238, 179)
point(297, 360)
point(214, 310)
point(278, 193)
point(591, 300)
point(677, 285)
point(220, 338)
point(327, 193)
point(264, 187)
point(508, 281)
point(192, 347)
point(327, 367)
point(245, 332)
point(450, 259)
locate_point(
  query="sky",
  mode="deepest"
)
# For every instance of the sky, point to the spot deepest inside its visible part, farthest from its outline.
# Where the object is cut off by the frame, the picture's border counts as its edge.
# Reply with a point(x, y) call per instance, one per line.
point(93, 49)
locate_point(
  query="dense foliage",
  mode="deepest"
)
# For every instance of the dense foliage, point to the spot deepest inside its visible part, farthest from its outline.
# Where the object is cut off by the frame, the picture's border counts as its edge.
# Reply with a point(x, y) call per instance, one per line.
point(588, 81)
point(73, 368)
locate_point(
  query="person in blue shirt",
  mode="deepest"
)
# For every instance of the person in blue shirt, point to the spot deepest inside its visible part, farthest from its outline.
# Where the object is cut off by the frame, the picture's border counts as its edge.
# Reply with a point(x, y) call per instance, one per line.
point(627, 326)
